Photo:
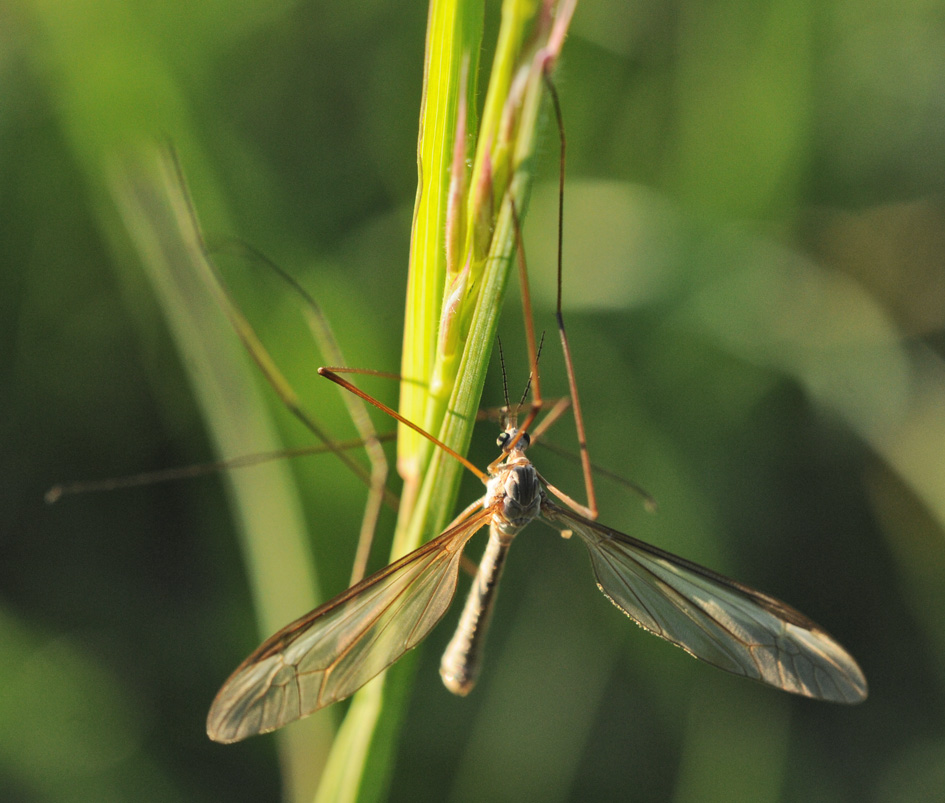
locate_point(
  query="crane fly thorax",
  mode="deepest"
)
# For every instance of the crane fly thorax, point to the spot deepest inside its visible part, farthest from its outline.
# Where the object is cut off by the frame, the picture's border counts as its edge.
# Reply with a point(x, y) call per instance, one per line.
point(517, 487)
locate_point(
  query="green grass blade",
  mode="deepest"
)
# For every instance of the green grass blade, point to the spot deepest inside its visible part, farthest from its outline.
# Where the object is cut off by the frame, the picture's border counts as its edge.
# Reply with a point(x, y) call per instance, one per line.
point(452, 369)
point(454, 34)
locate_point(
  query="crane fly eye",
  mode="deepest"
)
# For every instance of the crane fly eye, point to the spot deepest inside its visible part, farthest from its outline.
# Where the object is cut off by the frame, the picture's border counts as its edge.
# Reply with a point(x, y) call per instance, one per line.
point(506, 437)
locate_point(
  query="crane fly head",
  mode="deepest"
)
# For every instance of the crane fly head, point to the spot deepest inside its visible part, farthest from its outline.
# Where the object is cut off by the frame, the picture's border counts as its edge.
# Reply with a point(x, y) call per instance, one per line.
point(512, 441)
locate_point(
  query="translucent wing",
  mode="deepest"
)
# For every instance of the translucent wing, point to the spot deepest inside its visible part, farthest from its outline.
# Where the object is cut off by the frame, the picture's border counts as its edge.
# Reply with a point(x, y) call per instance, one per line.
point(713, 618)
point(331, 652)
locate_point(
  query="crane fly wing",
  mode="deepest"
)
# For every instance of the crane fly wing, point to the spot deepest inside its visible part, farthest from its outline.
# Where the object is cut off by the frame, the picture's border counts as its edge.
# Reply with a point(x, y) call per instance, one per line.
point(331, 652)
point(713, 618)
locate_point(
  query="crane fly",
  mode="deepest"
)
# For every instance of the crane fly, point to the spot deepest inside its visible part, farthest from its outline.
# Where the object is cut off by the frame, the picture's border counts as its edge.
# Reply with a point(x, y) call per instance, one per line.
point(331, 652)
point(328, 654)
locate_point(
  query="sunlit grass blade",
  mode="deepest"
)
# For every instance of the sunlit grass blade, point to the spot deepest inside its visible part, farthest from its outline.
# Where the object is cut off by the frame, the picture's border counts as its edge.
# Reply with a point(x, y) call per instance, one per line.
point(454, 38)
point(449, 355)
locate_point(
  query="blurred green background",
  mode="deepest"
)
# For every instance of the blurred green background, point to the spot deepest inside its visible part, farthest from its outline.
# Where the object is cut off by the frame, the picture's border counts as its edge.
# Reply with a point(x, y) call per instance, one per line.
point(755, 292)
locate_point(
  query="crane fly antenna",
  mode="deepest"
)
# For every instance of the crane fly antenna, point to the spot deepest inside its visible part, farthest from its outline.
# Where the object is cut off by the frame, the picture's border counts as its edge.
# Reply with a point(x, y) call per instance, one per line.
point(505, 378)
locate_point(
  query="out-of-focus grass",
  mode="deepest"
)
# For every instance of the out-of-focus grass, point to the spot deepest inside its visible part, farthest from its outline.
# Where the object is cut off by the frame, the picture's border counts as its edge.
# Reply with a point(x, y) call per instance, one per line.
point(753, 274)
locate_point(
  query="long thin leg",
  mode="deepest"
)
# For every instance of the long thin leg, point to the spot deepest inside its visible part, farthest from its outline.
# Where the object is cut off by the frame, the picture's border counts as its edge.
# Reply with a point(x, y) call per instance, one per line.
point(203, 469)
point(498, 414)
point(331, 373)
point(530, 340)
point(331, 352)
point(558, 409)
point(591, 509)
point(649, 501)
point(380, 469)
point(554, 414)
point(257, 351)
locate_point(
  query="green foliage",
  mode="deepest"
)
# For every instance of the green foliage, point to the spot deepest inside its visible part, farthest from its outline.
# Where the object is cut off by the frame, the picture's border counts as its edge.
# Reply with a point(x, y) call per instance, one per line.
point(753, 287)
